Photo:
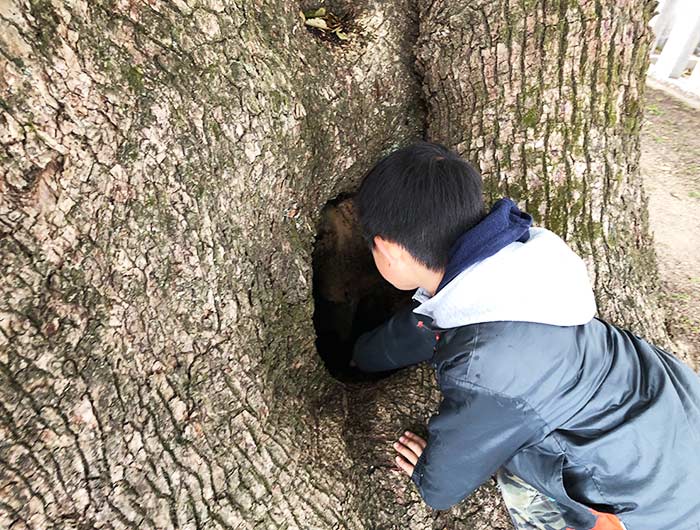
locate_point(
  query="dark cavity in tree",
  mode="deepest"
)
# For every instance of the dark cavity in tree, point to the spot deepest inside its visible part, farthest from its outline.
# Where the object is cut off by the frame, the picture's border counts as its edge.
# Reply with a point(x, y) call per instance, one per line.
point(350, 296)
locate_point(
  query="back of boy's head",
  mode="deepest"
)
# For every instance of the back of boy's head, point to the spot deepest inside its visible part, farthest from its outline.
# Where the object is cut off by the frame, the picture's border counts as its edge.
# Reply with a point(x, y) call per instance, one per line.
point(423, 197)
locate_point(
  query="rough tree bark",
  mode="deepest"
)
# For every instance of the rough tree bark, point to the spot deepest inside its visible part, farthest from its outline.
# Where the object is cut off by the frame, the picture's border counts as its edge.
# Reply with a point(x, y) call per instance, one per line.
point(546, 97)
point(164, 166)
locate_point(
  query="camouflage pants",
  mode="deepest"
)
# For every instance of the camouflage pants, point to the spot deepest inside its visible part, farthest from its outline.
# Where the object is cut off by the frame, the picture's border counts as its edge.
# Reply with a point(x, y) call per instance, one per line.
point(528, 508)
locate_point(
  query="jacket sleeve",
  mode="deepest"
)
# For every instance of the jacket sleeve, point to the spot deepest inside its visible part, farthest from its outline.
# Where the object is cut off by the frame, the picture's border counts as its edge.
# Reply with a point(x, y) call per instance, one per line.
point(400, 341)
point(474, 432)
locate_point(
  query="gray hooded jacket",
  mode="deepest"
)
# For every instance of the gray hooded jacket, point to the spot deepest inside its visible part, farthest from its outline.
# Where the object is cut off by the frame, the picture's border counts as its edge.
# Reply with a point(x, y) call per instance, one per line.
point(589, 414)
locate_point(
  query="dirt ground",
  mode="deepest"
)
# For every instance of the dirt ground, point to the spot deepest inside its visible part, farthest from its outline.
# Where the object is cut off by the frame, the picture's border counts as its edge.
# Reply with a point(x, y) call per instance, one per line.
point(671, 171)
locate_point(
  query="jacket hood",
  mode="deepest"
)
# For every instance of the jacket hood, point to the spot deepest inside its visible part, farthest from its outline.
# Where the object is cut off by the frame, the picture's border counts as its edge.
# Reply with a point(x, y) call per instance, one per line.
point(539, 280)
point(504, 224)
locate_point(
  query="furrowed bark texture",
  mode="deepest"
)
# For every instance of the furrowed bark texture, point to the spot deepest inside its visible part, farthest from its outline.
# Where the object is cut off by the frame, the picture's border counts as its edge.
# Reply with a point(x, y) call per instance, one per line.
point(163, 169)
point(545, 96)
point(164, 164)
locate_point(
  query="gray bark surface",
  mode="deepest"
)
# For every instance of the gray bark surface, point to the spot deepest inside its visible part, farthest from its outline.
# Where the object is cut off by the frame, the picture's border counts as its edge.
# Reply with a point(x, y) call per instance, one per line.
point(546, 98)
point(163, 169)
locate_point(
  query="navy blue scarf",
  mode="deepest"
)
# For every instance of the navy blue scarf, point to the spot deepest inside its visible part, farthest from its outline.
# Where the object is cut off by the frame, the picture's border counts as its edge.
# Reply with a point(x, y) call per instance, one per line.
point(504, 224)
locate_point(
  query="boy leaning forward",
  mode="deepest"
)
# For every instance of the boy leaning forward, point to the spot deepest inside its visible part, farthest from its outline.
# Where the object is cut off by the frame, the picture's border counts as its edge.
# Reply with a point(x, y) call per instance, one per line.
point(585, 425)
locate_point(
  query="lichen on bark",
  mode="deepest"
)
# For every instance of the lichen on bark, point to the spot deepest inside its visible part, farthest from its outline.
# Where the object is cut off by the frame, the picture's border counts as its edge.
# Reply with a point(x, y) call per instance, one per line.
point(544, 97)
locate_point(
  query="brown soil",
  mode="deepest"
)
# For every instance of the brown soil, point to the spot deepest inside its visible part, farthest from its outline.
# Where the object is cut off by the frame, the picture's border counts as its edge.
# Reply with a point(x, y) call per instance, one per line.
point(671, 171)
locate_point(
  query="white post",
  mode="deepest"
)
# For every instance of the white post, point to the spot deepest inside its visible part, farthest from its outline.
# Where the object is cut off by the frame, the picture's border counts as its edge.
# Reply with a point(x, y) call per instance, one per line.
point(662, 22)
point(681, 42)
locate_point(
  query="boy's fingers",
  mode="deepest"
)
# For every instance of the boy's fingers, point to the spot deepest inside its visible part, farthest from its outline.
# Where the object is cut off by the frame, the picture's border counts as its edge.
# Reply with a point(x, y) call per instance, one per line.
point(413, 445)
point(417, 438)
point(407, 453)
point(404, 465)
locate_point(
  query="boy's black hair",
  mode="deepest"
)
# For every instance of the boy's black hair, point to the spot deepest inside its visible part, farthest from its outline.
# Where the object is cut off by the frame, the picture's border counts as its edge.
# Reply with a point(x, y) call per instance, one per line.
point(423, 197)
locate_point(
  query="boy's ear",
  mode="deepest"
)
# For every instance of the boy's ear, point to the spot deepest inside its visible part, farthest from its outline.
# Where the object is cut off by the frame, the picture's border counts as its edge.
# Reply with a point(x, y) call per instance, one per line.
point(388, 249)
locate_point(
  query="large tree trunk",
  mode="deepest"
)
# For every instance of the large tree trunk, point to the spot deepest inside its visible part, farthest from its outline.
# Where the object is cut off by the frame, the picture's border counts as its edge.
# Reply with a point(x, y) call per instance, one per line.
point(164, 169)
point(546, 98)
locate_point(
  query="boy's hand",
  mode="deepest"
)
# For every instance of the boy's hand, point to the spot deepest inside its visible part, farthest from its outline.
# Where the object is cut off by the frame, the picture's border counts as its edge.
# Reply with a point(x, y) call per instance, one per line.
point(410, 446)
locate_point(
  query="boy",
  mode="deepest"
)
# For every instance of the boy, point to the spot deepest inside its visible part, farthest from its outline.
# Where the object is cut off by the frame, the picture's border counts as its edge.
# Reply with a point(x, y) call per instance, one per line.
point(586, 425)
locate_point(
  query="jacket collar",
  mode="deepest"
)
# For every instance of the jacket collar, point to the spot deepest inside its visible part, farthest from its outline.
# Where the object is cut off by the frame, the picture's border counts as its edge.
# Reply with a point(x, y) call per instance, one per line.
point(538, 280)
point(504, 224)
